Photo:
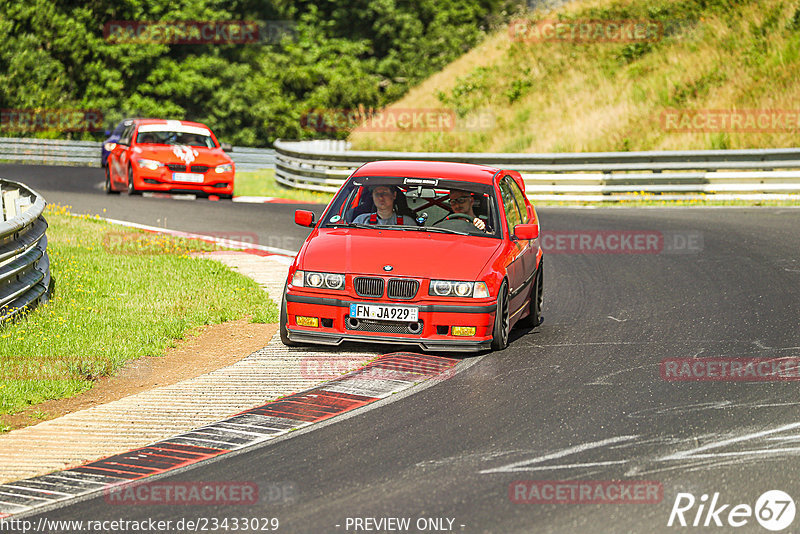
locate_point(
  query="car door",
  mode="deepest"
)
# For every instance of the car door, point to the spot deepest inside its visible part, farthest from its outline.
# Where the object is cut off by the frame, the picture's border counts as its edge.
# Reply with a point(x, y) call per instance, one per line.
point(119, 157)
point(515, 266)
point(530, 248)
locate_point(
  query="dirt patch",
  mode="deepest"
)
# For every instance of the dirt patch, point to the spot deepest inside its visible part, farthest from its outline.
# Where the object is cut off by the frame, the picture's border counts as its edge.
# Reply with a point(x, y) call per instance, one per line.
point(214, 347)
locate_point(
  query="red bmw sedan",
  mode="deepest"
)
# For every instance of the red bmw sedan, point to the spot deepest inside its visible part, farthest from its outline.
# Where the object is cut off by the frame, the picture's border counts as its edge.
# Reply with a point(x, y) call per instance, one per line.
point(441, 255)
point(168, 156)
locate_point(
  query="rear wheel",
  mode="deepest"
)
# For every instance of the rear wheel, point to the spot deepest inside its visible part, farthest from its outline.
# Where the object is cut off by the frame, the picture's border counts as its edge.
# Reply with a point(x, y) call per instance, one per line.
point(534, 318)
point(283, 320)
point(107, 184)
point(500, 330)
point(131, 187)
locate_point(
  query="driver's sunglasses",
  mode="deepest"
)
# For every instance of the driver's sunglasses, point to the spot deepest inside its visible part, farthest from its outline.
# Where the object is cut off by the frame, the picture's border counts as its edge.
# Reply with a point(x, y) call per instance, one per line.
point(459, 201)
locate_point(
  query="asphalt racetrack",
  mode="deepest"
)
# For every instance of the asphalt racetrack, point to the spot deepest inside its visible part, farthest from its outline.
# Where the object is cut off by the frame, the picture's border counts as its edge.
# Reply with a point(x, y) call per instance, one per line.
point(583, 397)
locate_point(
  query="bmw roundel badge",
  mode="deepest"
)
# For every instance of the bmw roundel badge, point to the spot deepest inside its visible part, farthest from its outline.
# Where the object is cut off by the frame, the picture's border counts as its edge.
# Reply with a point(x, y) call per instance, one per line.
point(387, 268)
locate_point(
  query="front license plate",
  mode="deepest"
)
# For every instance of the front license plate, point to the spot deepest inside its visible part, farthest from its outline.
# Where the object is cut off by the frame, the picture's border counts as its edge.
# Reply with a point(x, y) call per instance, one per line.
point(187, 177)
point(404, 314)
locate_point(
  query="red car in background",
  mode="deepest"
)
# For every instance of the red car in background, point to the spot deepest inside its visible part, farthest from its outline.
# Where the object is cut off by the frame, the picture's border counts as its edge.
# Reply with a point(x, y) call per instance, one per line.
point(441, 255)
point(168, 156)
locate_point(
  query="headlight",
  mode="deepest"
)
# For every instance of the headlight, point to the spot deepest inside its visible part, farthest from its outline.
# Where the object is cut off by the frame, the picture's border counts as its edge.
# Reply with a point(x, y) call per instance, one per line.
point(440, 288)
point(447, 288)
point(149, 164)
point(334, 281)
point(109, 146)
point(226, 167)
point(321, 280)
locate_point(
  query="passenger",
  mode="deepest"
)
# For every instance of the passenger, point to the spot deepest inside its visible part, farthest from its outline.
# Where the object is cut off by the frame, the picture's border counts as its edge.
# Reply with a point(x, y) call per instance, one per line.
point(461, 202)
point(384, 197)
point(195, 140)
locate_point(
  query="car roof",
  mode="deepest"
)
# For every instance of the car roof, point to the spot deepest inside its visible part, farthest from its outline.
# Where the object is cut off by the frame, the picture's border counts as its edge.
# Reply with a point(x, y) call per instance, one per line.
point(165, 121)
point(467, 172)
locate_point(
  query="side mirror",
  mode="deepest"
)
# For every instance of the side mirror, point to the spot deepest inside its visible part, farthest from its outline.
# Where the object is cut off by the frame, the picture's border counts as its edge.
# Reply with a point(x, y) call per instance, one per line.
point(526, 231)
point(226, 147)
point(304, 218)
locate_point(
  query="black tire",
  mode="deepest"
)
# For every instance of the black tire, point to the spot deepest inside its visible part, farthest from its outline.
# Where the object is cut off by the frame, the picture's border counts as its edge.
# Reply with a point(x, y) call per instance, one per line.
point(107, 183)
point(131, 187)
point(534, 318)
point(283, 320)
point(501, 326)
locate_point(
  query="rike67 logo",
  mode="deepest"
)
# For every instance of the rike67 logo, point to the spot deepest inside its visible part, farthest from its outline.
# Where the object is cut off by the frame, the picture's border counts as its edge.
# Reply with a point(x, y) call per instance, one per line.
point(774, 510)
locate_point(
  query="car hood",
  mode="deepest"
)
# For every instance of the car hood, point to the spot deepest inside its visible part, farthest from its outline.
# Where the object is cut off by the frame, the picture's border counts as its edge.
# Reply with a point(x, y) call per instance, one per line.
point(183, 154)
point(410, 253)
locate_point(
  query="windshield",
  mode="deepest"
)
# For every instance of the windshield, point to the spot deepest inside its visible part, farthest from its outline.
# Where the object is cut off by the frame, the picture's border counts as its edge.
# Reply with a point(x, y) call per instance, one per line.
point(171, 137)
point(415, 204)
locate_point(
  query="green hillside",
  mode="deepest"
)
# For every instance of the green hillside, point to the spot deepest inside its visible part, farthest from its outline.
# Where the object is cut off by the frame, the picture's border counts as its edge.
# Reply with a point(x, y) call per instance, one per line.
point(727, 70)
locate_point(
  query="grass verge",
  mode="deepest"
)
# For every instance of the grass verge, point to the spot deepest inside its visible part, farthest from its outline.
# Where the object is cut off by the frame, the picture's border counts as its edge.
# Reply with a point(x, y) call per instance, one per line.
point(120, 294)
point(262, 184)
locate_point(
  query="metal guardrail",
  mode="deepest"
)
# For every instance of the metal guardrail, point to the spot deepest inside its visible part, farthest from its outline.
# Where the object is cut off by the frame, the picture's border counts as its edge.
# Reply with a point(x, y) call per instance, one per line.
point(25, 279)
point(87, 153)
point(593, 176)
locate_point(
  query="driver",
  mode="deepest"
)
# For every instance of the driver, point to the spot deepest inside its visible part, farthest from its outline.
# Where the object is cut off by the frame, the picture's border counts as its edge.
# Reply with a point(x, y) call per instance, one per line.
point(461, 202)
point(384, 197)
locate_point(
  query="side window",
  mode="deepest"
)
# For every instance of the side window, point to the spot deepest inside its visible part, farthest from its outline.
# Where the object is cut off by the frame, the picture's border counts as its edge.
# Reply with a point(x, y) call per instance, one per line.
point(125, 138)
point(513, 216)
point(120, 128)
point(519, 196)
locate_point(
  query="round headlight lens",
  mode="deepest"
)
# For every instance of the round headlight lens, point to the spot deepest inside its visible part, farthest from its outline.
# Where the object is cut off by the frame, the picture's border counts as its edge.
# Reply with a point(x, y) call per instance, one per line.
point(314, 279)
point(334, 281)
point(463, 289)
point(441, 287)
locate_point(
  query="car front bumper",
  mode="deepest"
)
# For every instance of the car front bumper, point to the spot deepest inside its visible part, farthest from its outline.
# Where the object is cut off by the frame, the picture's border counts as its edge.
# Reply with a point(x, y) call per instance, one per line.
point(160, 180)
point(435, 322)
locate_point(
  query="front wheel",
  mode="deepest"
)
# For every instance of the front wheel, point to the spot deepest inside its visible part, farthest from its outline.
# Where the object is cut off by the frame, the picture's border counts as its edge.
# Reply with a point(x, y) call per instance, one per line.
point(131, 187)
point(500, 330)
point(283, 320)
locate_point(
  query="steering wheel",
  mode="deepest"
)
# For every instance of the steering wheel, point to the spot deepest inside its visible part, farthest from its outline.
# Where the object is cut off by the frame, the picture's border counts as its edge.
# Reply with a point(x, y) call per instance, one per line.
point(458, 216)
point(454, 216)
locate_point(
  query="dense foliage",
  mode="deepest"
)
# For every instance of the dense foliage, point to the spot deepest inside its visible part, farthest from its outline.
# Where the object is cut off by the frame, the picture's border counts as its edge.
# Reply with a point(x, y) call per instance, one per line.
point(338, 55)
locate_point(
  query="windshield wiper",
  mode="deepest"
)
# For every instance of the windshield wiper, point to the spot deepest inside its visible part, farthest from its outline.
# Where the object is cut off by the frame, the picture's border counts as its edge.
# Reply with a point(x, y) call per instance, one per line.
point(355, 225)
point(441, 230)
point(401, 227)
